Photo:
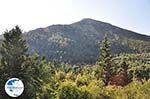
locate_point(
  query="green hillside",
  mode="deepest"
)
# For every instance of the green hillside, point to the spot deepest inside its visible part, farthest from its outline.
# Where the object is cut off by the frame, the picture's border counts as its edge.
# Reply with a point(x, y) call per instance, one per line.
point(78, 43)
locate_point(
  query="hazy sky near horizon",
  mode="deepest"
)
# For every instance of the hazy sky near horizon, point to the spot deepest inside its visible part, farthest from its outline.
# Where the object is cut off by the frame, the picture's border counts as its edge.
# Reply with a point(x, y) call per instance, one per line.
point(31, 14)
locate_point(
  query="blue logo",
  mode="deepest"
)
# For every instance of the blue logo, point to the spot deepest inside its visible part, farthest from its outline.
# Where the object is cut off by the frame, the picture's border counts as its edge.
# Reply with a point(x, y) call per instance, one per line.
point(14, 87)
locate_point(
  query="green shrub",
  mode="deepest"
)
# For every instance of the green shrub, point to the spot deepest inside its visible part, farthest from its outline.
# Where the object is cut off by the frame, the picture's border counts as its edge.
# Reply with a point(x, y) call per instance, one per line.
point(69, 90)
point(134, 90)
point(82, 80)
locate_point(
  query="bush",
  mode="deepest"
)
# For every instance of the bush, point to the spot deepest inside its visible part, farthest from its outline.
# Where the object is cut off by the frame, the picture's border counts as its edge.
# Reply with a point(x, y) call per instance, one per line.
point(82, 80)
point(69, 90)
point(95, 88)
point(135, 90)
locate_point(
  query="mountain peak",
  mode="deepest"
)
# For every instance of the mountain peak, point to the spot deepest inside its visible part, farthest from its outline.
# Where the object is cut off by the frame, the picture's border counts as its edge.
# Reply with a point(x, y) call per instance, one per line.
point(92, 21)
point(88, 19)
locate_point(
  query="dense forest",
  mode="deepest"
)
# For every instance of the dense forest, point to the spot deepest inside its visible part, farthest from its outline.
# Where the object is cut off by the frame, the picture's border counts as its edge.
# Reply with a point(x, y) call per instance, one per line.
point(112, 76)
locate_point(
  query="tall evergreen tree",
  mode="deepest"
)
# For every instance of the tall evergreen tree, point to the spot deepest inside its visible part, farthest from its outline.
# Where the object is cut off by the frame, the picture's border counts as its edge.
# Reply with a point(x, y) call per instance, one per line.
point(16, 63)
point(13, 53)
point(105, 59)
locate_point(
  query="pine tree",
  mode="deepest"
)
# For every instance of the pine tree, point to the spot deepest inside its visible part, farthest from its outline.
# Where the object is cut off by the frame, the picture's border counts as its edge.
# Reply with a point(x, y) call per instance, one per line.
point(105, 59)
point(16, 63)
point(13, 53)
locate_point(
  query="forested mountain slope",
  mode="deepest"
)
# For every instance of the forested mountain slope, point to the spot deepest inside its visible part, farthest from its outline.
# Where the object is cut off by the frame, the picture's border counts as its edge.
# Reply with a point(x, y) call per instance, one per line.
point(79, 42)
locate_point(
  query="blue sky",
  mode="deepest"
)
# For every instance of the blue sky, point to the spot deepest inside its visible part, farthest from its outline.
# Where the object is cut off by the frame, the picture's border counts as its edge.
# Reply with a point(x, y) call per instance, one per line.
point(31, 14)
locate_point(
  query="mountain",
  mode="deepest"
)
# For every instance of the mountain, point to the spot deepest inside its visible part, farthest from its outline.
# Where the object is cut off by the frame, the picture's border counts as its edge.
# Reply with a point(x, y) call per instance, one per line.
point(78, 43)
